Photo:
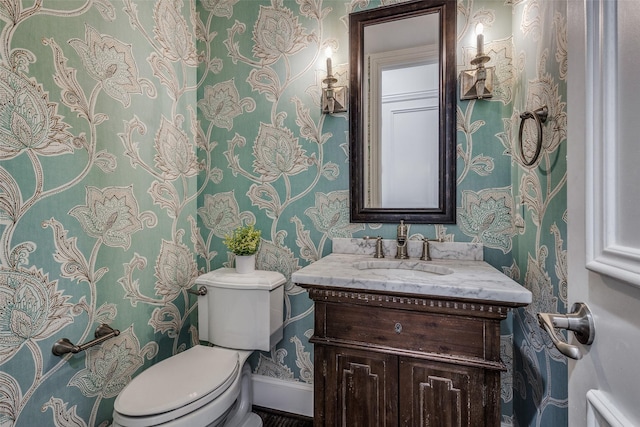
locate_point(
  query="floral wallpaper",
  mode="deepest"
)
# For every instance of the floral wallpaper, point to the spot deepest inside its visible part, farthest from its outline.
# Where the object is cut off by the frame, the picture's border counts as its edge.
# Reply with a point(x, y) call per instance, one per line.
point(539, 255)
point(98, 189)
point(135, 134)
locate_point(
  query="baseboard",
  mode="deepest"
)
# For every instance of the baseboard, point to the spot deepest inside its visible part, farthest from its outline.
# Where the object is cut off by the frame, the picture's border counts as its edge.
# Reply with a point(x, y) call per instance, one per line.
point(293, 397)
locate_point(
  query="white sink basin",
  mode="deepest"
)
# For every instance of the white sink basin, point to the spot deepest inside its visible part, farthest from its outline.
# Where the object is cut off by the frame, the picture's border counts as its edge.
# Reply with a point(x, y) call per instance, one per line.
point(413, 265)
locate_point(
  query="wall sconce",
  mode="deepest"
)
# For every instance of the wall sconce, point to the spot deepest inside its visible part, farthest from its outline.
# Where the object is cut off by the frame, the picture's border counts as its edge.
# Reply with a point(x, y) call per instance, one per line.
point(477, 83)
point(334, 98)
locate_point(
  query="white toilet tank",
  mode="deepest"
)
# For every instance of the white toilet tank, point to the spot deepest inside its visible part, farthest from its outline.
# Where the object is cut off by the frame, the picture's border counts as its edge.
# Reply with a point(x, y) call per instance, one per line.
point(241, 311)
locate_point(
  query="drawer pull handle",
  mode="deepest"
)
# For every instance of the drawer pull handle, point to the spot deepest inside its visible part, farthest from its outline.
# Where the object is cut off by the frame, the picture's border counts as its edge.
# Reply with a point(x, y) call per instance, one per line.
point(398, 327)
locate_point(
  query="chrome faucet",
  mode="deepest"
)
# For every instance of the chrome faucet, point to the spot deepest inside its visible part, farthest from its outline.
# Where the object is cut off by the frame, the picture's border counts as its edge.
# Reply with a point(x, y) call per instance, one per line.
point(401, 241)
point(379, 252)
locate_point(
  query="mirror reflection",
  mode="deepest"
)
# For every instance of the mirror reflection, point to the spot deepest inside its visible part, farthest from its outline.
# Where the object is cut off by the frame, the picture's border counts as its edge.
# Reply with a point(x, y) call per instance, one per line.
point(402, 112)
point(401, 93)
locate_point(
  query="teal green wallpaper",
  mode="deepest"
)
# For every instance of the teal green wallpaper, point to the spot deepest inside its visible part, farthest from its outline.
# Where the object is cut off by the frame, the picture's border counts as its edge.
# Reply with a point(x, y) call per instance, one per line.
point(540, 371)
point(98, 185)
point(135, 134)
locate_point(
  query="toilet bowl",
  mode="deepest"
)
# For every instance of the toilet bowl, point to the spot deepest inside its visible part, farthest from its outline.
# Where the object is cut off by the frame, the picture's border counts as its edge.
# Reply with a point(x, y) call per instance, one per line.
point(211, 386)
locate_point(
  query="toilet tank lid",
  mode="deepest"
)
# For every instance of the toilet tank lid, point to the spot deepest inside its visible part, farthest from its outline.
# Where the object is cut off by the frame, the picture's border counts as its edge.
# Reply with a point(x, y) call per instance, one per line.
point(228, 278)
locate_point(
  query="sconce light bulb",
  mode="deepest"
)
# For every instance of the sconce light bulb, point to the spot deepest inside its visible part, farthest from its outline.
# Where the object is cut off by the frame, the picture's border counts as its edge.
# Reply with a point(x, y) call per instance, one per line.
point(328, 52)
point(479, 39)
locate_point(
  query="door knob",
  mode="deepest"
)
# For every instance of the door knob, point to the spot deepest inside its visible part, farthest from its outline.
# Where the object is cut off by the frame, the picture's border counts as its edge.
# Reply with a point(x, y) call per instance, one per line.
point(580, 321)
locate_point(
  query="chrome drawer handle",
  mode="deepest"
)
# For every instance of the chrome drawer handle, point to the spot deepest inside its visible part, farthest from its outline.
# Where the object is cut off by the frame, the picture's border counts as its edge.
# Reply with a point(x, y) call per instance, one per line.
point(398, 327)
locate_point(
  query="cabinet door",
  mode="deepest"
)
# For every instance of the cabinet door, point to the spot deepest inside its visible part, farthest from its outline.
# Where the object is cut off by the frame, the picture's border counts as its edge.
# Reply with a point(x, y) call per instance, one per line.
point(361, 388)
point(442, 395)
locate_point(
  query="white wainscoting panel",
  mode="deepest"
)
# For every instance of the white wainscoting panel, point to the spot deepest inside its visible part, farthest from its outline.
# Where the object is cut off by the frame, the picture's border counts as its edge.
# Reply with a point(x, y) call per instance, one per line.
point(601, 412)
point(612, 174)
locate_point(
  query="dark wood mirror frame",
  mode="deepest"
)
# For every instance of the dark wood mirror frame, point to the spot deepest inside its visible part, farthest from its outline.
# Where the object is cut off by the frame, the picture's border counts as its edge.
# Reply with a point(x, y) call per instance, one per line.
point(445, 213)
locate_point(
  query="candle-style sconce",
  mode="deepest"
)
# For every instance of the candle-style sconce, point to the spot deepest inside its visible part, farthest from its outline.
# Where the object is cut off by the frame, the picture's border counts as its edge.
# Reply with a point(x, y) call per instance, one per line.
point(477, 83)
point(334, 98)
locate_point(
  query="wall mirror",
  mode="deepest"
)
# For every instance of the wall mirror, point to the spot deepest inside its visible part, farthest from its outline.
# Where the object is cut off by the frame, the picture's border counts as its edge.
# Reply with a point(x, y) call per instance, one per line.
point(402, 113)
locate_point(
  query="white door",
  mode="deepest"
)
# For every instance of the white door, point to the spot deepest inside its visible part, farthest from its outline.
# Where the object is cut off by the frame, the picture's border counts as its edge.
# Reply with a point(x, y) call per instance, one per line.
point(604, 208)
point(407, 159)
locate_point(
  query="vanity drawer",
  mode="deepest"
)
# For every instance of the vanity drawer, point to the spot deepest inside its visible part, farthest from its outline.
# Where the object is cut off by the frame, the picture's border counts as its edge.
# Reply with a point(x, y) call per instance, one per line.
point(406, 330)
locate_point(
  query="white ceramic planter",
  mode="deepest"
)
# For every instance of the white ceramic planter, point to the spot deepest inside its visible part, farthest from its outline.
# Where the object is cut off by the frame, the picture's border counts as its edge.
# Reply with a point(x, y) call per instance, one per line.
point(245, 263)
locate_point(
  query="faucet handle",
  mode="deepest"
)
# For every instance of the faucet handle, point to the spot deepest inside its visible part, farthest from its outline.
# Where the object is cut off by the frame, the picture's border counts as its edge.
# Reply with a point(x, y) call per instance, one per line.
point(426, 254)
point(379, 251)
point(401, 232)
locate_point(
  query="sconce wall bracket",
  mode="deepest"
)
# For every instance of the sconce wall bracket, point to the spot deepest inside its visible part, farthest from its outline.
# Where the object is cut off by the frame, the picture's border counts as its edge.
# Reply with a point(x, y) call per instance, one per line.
point(334, 98)
point(477, 83)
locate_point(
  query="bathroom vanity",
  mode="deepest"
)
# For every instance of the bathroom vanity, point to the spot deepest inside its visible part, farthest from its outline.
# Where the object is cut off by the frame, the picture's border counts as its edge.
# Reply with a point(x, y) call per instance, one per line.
point(407, 342)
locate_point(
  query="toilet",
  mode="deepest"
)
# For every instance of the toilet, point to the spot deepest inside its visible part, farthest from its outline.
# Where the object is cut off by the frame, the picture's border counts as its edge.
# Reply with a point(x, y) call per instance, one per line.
point(211, 386)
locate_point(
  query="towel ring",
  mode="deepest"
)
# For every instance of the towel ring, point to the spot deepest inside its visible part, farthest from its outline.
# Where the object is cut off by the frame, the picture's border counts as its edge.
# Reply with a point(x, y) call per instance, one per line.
point(540, 116)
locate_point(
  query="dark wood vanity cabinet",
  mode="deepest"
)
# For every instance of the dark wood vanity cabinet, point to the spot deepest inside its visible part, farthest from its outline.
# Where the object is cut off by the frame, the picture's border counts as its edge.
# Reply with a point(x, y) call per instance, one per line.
point(446, 394)
point(405, 360)
point(360, 388)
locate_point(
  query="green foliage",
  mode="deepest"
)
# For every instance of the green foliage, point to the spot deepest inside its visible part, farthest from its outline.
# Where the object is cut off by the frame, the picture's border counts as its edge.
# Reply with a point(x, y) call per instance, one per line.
point(243, 241)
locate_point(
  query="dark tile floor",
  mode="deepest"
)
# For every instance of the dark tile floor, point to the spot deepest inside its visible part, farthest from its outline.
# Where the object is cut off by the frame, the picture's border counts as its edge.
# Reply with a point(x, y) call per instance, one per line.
point(273, 418)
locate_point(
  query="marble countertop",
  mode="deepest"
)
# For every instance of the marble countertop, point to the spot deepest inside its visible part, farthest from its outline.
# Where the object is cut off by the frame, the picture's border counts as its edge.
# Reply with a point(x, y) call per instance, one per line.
point(459, 278)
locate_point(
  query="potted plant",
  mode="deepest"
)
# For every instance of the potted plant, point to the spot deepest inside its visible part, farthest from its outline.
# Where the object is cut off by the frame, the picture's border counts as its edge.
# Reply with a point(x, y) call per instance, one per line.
point(244, 242)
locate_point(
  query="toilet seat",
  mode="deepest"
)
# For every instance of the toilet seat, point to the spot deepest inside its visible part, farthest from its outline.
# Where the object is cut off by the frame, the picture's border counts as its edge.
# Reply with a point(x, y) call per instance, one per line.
point(178, 385)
